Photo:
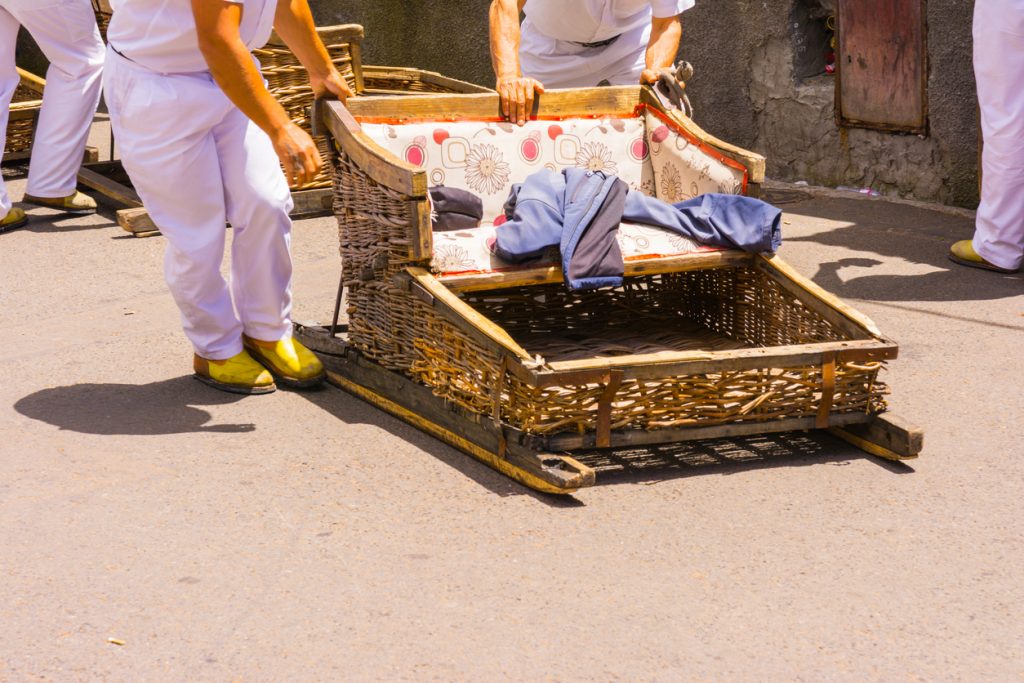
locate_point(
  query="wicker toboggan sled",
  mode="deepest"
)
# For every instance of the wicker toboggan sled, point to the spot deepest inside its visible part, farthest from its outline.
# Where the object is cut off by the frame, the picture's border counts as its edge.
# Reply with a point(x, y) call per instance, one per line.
point(506, 364)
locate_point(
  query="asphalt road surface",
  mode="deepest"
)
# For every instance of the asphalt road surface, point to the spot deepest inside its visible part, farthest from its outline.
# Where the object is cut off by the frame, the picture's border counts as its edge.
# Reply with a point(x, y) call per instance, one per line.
point(308, 536)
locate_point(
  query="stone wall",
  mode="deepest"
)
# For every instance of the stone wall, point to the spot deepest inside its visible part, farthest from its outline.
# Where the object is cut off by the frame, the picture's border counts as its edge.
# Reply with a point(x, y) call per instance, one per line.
point(745, 89)
point(448, 36)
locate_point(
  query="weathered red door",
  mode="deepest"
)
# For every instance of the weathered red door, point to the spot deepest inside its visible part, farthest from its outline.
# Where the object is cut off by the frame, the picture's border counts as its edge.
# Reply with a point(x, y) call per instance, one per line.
point(882, 65)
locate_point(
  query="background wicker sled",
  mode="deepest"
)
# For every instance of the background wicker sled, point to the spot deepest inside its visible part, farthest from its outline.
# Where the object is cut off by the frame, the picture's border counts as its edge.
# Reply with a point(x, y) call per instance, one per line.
point(23, 115)
point(516, 370)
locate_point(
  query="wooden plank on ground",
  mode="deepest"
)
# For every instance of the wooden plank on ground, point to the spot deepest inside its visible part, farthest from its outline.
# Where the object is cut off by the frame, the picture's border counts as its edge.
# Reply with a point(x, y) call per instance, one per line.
point(308, 203)
point(113, 190)
point(886, 436)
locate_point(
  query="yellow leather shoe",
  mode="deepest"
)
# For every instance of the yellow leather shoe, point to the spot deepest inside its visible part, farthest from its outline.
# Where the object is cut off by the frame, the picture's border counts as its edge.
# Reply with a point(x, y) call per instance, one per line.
point(291, 363)
point(240, 374)
point(75, 203)
point(963, 252)
point(14, 219)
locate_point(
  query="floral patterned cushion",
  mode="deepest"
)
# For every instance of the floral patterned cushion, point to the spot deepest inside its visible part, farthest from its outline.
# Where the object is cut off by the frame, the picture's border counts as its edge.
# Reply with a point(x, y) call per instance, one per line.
point(487, 157)
point(684, 168)
point(648, 151)
point(461, 252)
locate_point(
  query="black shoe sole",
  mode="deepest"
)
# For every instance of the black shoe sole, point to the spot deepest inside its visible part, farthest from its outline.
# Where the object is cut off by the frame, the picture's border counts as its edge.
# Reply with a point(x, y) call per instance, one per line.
point(289, 383)
point(70, 212)
point(981, 266)
point(14, 226)
point(284, 380)
point(235, 388)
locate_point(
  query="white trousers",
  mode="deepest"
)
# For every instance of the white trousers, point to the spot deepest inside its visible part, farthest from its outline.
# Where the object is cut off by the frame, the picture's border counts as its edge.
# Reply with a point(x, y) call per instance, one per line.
point(561, 64)
point(197, 161)
point(66, 32)
point(999, 71)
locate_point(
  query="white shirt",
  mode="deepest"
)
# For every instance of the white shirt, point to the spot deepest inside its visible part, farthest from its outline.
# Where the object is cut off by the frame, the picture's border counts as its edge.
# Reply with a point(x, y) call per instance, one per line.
point(160, 35)
point(590, 21)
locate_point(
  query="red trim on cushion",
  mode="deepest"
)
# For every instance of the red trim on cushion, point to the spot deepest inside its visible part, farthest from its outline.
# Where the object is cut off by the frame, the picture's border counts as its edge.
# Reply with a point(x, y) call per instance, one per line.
point(703, 146)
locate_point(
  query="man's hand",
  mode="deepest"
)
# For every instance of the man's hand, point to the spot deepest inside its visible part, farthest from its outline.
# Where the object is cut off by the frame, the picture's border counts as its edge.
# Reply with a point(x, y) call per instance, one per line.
point(294, 24)
point(662, 47)
point(516, 92)
point(298, 154)
point(332, 83)
point(517, 96)
point(649, 76)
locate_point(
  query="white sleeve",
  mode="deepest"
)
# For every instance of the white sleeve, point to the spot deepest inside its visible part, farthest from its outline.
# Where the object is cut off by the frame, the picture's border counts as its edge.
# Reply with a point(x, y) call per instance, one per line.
point(669, 8)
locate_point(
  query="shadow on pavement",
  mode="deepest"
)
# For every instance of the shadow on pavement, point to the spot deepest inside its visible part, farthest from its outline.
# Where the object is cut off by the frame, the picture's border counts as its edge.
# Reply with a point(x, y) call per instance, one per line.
point(166, 407)
point(726, 456)
point(643, 466)
point(350, 410)
point(902, 232)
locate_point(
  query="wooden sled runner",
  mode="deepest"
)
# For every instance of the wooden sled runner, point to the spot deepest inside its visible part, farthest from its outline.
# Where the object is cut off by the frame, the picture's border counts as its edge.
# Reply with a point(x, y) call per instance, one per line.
point(512, 368)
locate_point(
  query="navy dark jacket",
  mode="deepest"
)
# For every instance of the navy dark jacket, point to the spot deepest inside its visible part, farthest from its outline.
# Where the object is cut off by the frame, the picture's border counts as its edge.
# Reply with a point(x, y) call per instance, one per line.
point(580, 211)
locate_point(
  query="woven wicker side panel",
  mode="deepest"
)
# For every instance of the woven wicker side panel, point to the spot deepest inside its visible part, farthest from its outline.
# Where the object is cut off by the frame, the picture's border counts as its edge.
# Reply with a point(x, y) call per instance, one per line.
point(288, 82)
point(413, 83)
point(19, 136)
point(743, 304)
point(694, 400)
point(24, 94)
point(453, 364)
point(102, 23)
point(20, 132)
point(374, 225)
point(458, 369)
point(746, 305)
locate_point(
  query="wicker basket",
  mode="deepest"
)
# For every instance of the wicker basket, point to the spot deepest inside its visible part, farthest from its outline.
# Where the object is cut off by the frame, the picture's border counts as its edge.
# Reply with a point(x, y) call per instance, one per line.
point(390, 80)
point(288, 81)
point(102, 10)
point(727, 341)
point(289, 84)
point(24, 112)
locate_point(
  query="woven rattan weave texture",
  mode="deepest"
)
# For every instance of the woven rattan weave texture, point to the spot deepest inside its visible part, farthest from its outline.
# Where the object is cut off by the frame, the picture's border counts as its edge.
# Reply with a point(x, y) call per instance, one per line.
point(288, 82)
point(723, 308)
point(21, 128)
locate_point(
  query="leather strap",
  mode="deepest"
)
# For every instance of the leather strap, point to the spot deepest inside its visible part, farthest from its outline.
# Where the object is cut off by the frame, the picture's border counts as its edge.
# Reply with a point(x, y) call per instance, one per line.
point(828, 389)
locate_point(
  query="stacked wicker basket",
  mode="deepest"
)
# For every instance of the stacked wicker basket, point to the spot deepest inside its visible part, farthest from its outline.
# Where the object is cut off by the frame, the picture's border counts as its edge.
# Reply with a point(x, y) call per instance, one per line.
point(24, 112)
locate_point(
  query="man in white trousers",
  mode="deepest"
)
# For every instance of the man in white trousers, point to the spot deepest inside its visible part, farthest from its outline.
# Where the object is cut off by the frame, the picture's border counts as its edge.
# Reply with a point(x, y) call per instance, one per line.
point(66, 32)
point(579, 44)
point(201, 138)
point(998, 242)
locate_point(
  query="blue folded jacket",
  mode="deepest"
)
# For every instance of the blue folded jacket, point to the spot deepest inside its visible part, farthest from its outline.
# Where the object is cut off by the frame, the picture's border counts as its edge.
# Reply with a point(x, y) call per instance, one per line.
point(580, 211)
